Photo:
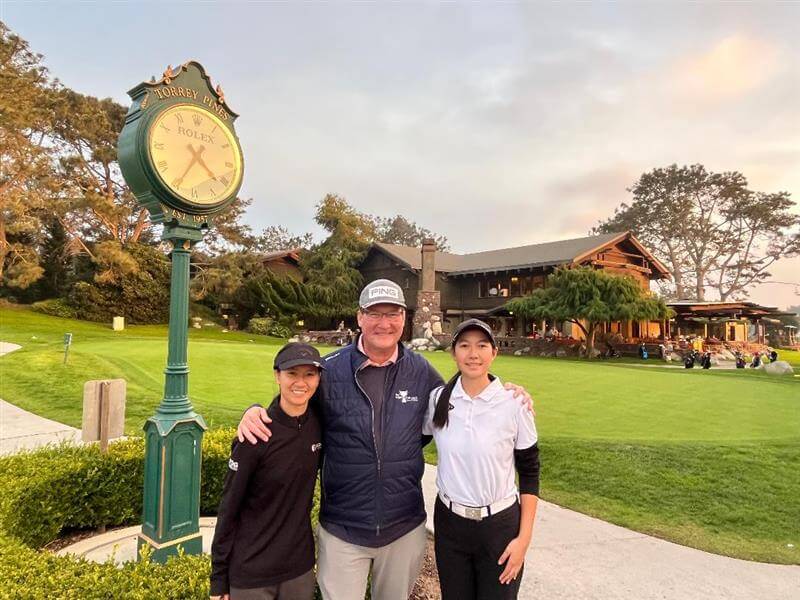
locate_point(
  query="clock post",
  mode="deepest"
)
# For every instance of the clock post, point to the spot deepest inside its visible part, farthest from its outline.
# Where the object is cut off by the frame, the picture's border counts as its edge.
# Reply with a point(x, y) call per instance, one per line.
point(179, 154)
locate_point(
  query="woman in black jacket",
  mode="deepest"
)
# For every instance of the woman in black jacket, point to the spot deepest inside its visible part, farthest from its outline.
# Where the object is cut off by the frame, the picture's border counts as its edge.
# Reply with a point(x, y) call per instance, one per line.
point(263, 545)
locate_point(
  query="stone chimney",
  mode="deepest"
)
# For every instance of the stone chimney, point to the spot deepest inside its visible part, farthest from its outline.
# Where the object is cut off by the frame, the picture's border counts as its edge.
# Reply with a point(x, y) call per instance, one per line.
point(427, 320)
point(428, 265)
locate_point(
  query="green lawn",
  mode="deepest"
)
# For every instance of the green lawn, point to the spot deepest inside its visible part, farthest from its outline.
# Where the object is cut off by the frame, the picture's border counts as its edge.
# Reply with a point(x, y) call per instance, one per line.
point(709, 459)
point(790, 356)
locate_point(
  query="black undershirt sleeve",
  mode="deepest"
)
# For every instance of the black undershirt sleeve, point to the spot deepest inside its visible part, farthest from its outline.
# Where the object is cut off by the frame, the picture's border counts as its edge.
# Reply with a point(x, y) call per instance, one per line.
point(526, 462)
point(243, 462)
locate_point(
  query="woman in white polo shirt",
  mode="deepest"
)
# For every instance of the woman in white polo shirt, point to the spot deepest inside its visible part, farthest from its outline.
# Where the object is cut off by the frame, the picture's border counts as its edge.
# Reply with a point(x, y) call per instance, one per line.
point(482, 522)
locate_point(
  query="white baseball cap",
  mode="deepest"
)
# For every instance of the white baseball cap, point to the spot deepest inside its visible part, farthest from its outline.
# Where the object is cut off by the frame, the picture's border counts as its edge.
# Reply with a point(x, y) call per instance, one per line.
point(381, 291)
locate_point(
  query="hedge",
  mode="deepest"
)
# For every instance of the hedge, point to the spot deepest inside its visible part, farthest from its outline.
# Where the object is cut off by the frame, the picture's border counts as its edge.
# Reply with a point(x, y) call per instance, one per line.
point(47, 491)
point(55, 307)
point(31, 574)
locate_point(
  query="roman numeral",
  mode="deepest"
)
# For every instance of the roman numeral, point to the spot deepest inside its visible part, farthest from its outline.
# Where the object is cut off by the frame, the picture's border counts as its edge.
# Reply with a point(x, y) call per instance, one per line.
point(229, 165)
point(223, 181)
point(159, 145)
point(179, 117)
point(226, 146)
point(162, 164)
point(176, 183)
point(165, 127)
point(213, 130)
point(194, 193)
point(213, 192)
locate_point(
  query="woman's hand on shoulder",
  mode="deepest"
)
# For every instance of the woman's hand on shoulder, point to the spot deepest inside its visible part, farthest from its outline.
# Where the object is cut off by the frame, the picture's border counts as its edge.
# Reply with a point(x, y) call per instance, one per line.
point(222, 597)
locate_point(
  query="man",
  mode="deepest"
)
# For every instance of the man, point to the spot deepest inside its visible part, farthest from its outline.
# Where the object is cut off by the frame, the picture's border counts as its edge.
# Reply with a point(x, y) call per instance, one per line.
point(375, 393)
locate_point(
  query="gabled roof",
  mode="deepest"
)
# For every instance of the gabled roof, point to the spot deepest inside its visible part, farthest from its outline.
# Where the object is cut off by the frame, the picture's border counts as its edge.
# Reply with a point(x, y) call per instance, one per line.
point(411, 257)
point(293, 254)
point(521, 257)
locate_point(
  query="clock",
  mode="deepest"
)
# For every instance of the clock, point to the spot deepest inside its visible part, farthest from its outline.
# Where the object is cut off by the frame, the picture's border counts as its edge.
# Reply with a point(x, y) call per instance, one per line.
point(178, 150)
point(194, 154)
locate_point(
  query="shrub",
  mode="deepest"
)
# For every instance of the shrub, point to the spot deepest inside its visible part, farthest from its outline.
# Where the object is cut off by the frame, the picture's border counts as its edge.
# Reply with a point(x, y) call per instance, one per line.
point(260, 325)
point(55, 307)
point(26, 573)
point(280, 331)
point(269, 326)
point(93, 489)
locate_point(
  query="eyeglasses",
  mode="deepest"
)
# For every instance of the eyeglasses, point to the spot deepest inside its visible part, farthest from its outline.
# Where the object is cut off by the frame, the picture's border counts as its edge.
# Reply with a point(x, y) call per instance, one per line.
point(374, 316)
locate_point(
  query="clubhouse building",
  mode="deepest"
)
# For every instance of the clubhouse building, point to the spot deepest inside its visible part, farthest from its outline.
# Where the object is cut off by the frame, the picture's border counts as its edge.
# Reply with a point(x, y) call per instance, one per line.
point(442, 289)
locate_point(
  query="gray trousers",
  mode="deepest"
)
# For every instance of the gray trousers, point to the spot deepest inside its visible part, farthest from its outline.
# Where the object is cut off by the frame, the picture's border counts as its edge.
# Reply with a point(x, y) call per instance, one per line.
point(299, 588)
point(343, 568)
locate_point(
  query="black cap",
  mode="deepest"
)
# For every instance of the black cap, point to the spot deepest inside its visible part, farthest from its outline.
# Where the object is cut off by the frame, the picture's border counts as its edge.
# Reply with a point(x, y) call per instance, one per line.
point(295, 354)
point(474, 324)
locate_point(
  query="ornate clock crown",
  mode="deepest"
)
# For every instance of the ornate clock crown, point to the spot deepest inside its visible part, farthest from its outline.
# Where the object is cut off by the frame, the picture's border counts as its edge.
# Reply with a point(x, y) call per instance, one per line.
point(208, 171)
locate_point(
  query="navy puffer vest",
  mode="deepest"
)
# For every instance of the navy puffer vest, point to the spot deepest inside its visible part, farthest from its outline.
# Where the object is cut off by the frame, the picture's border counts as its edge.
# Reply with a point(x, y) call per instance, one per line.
point(364, 486)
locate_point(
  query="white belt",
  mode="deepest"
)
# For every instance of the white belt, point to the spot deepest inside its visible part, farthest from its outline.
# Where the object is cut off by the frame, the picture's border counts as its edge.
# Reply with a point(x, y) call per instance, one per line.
point(476, 513)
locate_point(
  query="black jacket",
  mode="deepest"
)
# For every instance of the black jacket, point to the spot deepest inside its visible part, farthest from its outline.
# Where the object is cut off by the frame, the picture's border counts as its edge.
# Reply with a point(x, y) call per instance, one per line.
point(263, 535)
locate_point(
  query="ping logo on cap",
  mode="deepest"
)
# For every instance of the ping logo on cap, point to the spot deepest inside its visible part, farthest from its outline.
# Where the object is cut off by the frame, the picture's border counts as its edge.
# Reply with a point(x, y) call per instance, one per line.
point(383, 291)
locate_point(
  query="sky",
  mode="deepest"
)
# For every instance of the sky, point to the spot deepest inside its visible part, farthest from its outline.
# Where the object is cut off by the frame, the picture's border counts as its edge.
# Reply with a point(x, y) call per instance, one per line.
point(495, 124)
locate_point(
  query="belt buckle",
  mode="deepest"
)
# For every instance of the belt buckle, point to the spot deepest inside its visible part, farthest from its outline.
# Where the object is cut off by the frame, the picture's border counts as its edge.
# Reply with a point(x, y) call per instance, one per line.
point(472, 513)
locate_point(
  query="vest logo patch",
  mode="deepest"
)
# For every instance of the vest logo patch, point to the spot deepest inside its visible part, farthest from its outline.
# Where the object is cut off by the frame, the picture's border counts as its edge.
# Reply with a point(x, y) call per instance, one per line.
point(316, 447)
point(403, 396)
point(233, 465)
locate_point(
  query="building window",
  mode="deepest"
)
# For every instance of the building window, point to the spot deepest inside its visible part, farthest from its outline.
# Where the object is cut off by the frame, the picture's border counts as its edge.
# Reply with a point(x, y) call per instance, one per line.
point(514, 286)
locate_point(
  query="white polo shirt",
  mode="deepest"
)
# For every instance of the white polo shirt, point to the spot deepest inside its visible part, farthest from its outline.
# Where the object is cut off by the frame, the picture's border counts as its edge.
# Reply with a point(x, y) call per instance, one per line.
point(476, 448)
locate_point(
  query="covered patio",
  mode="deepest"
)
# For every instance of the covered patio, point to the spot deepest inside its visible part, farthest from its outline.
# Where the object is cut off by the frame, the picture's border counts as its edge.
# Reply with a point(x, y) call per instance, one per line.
point(736, 325)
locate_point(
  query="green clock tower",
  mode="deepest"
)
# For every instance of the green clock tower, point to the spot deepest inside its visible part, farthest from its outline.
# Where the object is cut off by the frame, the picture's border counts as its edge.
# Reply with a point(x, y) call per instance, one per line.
point(180, 155)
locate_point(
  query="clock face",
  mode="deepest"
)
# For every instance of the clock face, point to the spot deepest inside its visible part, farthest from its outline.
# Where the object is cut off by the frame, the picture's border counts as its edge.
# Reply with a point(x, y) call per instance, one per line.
point(195, 154)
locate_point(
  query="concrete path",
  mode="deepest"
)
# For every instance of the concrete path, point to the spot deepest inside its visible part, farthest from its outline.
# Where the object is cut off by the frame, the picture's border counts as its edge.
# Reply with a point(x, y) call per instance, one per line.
point(576, 557)
point(6, 347)
point(22, 430)
point(120, 544)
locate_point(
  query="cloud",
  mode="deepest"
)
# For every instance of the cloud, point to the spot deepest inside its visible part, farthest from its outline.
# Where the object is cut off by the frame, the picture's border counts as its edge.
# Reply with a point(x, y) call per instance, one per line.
point(733, 67)
point(591, 196)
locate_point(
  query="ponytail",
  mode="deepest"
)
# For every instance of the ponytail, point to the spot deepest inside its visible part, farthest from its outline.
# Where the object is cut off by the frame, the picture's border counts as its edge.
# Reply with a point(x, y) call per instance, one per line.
point(441, 414)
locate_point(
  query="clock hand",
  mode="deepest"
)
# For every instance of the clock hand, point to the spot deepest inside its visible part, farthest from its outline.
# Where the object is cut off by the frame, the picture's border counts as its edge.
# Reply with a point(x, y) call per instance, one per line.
point(202, 163)
point(179, 180)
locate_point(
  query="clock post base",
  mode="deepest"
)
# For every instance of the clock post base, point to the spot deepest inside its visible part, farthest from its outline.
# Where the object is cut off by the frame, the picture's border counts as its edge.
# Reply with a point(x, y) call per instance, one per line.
point(161, 552)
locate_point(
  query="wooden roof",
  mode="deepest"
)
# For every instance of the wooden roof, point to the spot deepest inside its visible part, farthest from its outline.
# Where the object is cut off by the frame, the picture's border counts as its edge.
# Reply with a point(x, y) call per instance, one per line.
point(715, 308)
point(293, 255)
point(562, 252)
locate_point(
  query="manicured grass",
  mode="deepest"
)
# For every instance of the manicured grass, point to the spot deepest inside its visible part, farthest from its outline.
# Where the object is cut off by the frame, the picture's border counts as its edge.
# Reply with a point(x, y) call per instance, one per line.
point(790, 356)
point(704, 458)
point(229, 371)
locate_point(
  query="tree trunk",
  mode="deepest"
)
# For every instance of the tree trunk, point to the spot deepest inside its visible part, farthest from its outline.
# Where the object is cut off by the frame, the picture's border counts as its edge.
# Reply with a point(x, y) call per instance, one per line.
point(3, 247)
point(699, 285)
point(590, 341)
point(677, 276)
point(588, 334)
